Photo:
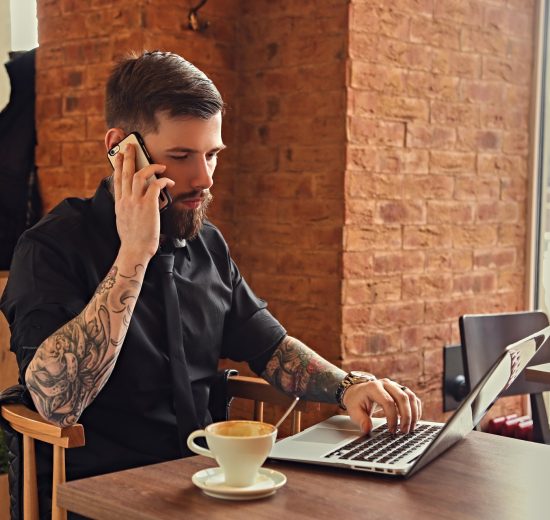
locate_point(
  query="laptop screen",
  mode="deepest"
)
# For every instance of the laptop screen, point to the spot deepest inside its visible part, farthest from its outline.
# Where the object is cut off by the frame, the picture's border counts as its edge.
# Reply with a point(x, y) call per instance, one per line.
point(497, 379)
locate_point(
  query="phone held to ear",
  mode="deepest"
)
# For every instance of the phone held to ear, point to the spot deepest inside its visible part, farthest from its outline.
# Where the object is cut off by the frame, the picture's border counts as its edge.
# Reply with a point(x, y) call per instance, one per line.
point(143, 159)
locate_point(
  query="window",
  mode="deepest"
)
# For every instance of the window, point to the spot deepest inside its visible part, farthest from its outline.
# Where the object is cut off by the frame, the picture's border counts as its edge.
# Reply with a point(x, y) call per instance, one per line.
point(24, 25)
point(18, 32)
point(540, 194)
point(539, 286)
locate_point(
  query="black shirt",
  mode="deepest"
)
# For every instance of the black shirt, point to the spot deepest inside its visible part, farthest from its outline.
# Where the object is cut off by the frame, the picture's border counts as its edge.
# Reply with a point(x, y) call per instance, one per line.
point(58, 265)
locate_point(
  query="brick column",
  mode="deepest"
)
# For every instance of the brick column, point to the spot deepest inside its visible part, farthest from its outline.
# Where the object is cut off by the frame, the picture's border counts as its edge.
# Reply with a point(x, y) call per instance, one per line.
point(289, 187)
point(436, 178)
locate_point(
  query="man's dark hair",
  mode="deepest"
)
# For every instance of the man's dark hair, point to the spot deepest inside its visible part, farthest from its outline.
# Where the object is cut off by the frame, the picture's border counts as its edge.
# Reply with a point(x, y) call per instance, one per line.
point(141, 85)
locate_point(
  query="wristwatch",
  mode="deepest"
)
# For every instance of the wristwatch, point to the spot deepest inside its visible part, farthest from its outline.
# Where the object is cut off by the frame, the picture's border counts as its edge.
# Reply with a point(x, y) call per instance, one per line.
point(352, 378)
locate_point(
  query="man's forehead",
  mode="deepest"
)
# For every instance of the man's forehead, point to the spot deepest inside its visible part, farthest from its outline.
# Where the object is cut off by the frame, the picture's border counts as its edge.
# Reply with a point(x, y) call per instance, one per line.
point(188, 132)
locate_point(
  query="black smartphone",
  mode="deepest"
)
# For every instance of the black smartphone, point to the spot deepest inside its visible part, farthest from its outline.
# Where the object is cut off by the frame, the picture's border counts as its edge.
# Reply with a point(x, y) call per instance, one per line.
point(143, 159)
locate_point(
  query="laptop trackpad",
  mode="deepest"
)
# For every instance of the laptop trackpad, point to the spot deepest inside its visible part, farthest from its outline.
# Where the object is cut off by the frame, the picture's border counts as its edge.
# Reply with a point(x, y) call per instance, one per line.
point(326, 435)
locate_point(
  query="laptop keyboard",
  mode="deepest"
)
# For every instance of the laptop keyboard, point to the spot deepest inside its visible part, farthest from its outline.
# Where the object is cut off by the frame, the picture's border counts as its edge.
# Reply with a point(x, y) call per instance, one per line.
point(386, 447)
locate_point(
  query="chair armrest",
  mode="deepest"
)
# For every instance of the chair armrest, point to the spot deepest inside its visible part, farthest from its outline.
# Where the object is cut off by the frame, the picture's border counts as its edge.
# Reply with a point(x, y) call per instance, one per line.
point(30, 423)
point(260, 390)
point(33, 427)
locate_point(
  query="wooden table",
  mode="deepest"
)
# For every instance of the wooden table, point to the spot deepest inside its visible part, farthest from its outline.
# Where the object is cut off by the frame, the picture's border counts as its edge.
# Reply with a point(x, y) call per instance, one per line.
point(538, 373)
point(484, 476)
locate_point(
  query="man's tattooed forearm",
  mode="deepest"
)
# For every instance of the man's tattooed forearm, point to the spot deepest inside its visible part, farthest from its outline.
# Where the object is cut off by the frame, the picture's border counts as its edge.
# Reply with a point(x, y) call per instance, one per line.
point(108, 281)
point(71, 366)
point(138, 271)
point(296, 369)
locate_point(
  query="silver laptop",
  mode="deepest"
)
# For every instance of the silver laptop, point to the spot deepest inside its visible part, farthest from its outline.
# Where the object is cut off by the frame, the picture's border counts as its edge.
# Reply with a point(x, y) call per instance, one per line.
point(338, 441)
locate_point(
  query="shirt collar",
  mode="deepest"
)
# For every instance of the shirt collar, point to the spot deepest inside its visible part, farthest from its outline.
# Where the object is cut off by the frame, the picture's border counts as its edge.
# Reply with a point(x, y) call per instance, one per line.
point(103, 207)
point(177, 243)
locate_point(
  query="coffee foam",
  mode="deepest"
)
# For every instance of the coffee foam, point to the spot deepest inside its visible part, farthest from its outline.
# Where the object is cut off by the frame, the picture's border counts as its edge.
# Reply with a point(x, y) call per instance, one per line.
point(241, 429)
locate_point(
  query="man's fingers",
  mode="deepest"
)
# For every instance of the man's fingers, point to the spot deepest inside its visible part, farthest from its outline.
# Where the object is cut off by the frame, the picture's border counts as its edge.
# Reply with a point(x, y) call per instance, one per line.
point(416, 407)
point(409, 405)
point(144, 177)
point(117, 176)
point(362, 418)
point(396, 401)
point(157, 184)
point(387, 402)
point(128, 169)
point(419, 407)
point(363, 400)
point(400, 395)
point(415, 412)
point(390, 411)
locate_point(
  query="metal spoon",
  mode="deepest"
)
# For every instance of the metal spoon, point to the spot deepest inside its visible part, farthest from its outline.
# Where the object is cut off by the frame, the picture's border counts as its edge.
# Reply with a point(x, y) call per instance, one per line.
point(290, 408)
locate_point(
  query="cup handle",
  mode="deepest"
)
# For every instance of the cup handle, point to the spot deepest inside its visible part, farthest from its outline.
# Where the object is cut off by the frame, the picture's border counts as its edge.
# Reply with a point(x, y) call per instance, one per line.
point(195, 447)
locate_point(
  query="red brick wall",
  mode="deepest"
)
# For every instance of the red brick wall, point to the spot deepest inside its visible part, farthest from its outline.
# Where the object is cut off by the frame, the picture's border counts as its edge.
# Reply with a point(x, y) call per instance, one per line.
point(289, 199)
point(436, 178)
point(375, 184)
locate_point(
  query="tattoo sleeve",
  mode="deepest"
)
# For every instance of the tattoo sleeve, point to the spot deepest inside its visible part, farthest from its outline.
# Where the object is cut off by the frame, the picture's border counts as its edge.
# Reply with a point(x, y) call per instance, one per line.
point(297, 370)
point(71, 366)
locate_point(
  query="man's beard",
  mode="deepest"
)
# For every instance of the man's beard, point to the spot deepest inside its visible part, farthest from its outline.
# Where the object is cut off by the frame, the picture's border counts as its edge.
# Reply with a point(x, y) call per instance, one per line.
point(184, 223)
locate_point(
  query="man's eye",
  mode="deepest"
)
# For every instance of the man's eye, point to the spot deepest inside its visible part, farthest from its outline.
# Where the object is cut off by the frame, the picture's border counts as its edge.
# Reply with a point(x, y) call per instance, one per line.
point(179, 157)
point(212, 156)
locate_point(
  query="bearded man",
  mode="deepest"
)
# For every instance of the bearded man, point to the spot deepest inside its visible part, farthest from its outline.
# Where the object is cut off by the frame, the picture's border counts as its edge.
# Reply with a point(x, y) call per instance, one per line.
point(120, 312)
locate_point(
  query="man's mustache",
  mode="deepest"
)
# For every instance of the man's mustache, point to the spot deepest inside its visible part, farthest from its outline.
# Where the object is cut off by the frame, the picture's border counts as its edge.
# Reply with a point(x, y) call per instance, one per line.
point(192, 195)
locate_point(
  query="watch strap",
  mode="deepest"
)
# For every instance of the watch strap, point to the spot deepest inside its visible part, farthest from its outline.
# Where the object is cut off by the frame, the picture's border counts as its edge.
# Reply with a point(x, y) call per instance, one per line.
point(351, 378)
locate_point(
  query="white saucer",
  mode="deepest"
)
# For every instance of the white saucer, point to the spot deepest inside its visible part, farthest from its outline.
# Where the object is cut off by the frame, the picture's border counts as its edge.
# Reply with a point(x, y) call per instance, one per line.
point(212, 483)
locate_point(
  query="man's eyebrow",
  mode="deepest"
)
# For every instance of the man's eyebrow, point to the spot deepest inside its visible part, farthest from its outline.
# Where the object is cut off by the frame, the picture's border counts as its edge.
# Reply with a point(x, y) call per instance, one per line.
point(192, 150)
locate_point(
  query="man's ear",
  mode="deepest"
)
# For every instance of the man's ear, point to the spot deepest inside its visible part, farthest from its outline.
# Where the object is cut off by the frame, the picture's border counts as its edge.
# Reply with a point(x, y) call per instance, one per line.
point(114, 136)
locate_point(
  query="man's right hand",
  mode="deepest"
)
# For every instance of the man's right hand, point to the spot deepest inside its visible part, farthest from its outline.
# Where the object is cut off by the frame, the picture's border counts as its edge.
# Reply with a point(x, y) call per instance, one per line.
point(137, 206)
point(63, 377)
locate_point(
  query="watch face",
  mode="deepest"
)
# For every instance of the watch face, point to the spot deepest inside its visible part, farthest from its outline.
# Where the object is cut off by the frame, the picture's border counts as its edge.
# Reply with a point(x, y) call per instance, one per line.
point(360, 374)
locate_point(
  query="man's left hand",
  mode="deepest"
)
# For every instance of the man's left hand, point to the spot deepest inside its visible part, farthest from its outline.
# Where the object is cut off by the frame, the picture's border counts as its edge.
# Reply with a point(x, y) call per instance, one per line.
point(399, 403)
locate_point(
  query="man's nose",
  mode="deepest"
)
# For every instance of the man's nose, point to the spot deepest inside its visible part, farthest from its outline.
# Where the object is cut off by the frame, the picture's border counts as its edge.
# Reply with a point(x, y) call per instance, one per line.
point(203, 175)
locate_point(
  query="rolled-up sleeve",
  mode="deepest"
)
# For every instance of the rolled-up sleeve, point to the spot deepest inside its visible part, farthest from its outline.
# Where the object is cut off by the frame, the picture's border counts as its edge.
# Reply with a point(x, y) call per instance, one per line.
point(251, 333)
point(40, 297)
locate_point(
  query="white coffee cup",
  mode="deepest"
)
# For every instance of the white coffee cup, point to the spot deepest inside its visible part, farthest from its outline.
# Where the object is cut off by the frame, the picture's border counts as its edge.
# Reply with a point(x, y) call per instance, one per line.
point(239, 447)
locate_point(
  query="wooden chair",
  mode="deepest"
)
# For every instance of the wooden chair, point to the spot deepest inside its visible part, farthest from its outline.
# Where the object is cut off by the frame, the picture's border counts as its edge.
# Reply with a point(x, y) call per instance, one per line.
point(32, 427)
point(483, 338)
point(261, 393)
